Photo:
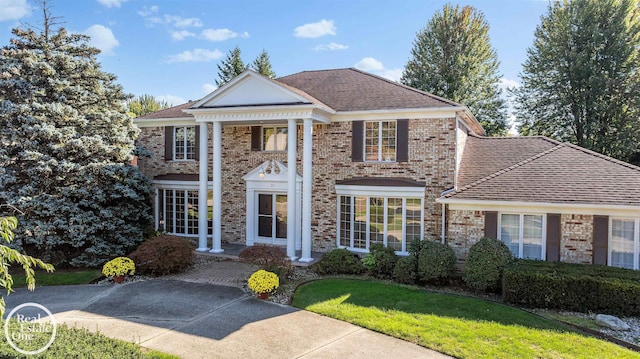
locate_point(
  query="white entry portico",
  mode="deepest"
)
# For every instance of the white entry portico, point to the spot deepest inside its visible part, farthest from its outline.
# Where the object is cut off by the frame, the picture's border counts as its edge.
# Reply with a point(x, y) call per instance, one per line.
point(248, 100)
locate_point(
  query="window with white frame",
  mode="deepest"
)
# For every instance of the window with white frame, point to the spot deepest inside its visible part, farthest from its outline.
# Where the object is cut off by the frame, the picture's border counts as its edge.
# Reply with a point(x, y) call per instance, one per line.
point(391, 221)
point(178, 211)
point(274, 138)
point(184, 143)
point(524, 234)
point(624, 246)
point(380, 141)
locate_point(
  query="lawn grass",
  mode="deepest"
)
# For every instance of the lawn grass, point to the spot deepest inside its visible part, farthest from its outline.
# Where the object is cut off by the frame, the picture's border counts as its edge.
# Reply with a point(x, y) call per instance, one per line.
point(78, 343)
point(459, 326)
point(59, 277)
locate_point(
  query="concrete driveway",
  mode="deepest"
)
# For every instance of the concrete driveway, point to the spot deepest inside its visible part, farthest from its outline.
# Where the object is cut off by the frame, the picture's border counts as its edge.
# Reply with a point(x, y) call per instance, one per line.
point(200, 320)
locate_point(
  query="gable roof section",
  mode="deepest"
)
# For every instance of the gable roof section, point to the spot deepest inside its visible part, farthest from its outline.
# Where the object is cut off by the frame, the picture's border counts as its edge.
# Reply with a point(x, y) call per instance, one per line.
point(354, 90)
point(171, 112)
point(563, 173)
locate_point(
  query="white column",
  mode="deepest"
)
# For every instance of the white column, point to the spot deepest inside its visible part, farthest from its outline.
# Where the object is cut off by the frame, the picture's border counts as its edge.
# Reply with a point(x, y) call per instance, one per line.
point(307, 179)
point(217, 188)
point(157, 209)
point(203, 172)
point(291, 188)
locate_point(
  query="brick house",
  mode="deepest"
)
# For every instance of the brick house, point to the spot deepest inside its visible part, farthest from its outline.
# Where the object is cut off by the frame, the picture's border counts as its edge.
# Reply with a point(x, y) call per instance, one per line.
point(377, 162)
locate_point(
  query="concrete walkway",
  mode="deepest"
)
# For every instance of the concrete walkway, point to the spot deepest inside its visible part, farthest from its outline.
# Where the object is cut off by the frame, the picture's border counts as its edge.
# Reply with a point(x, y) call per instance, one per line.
point(193, 319)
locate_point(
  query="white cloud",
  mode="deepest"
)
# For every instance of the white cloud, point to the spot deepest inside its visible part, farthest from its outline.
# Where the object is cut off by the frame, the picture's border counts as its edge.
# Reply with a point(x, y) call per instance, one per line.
point(508, 83)
point(181, 35)
point(208, 88)
point(179, 21)
point(218, 34)
point(197, 55)
point(14, 9)
point(369, 64)
point(112, 3)
point(148, 11)
point(172, 100)
point(102, 38)
point(315, 29)
point(245, 35)
point(332, 46)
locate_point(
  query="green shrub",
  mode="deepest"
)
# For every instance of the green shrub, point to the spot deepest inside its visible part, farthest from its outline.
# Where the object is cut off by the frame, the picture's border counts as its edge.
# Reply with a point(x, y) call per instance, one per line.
point(163, 255)
point(485, 264)
point(270, 258)
point(436, 261)
point(574, 287)
point(380, 261)
point(415, 246)
point(339, 261)
point(406, 270)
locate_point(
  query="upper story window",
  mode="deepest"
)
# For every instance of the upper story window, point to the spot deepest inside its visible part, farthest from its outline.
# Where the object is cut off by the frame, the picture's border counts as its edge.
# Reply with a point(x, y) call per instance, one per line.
point(624, 243)
point(524, 234)
point(380, 139)
point(274, 138)
point(184, 143)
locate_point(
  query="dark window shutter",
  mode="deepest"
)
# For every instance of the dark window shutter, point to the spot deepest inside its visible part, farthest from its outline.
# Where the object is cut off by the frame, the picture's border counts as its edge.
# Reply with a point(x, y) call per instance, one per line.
point(168, 143)
point(402, 140)
point(256, 133)
point(197, 154)
point(357, 134)
point(491, 224)
point(600, 239)
point(553, 237)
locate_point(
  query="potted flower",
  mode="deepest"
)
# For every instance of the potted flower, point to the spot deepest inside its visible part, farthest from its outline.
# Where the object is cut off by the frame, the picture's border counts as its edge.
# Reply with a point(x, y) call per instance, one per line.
point(263, 283)
point(117, 268)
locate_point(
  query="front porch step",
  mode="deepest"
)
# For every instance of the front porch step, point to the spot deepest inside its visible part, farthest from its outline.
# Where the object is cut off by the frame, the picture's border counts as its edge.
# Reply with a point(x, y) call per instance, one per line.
point(232, 251)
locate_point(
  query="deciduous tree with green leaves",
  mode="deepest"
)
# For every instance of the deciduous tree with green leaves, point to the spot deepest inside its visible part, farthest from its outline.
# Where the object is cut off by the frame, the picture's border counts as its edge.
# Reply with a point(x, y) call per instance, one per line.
point(452, 57)
point(144, 104)
point(10, 256)
point(581, 80)
point(65, 143)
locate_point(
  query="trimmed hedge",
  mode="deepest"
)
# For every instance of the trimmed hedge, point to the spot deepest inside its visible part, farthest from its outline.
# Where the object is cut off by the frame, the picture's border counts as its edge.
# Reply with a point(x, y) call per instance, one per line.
point(406, 270)
point(436, 261)
point(575, 287)
point(380, 261)
point(485, 264)
point(339, 261)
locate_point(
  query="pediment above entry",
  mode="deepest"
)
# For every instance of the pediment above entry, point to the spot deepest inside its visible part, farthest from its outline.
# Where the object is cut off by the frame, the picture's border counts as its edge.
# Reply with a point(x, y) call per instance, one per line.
point(272, 175)
point(251, 97)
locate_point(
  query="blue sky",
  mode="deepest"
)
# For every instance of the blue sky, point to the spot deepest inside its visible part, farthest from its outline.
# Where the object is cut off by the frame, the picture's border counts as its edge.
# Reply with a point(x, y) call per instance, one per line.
point(170, 49)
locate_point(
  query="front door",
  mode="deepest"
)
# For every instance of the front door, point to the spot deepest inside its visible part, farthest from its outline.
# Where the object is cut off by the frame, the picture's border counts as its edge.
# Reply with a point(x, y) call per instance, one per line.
point(272, 218)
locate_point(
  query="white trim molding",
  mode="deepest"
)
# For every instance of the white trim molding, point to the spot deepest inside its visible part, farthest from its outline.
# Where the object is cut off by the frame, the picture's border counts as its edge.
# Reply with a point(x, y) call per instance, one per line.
point(542, 207)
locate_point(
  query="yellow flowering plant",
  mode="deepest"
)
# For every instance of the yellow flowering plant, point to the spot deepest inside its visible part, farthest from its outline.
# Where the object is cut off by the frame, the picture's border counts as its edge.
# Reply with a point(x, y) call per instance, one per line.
point(263, 281)
point(119, 266)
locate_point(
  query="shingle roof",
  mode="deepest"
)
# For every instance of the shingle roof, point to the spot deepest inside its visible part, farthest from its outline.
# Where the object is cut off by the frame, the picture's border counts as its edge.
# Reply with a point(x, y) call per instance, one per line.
point(171, 112)
point(562, 173)
point(355, 90)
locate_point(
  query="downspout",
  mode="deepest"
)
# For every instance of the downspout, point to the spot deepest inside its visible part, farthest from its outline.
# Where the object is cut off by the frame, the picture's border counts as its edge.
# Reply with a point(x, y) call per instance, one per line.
point(444, 216)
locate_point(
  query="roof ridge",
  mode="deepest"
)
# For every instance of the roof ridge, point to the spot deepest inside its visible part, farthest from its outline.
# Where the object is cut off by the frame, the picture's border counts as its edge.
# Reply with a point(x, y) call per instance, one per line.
point(447, 101)
point(602, 156)
point(505, 170)
point(541, 137)
point(189, 103)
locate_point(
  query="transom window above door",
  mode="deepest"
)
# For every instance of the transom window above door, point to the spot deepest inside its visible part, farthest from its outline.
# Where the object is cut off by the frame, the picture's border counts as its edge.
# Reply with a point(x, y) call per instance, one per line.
point(380, 141)
point(274, 138)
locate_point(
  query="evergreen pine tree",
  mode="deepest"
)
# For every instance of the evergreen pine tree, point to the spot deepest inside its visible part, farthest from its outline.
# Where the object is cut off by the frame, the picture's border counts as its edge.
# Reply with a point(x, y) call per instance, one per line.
point(581, 79)
point(262, 65)
point(65, 140)
point(230, 67)
point(452, 57)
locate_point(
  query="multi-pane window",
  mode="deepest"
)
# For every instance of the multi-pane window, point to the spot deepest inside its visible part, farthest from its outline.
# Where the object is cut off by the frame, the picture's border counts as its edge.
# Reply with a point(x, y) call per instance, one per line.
point(366, 220)
point(523, 234)
point(623, 243)
point(178, 211)
point(380, 141)
point(274, 138)
point(184, 144)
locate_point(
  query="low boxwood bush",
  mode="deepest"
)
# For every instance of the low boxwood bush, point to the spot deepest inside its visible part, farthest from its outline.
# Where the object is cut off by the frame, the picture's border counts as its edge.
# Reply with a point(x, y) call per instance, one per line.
point(339, 261)
point(163, 255)
point(270, 258)
point(380, 261)
point(436, 262)
point(485, 264)
point(575, 287)
point(406, 270)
